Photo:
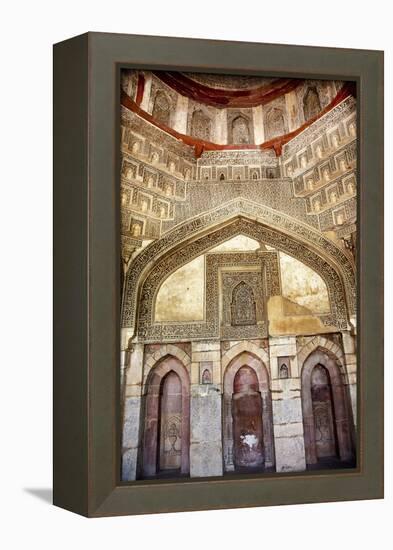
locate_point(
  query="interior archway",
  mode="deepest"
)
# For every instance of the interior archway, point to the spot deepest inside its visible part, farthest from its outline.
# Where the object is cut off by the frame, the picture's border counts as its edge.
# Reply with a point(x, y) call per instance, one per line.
point(170, 421)
point(166, 433)
point(247, 411)
point(327, 420)
point(186, 251)
point(319, 253)
point(248, 448)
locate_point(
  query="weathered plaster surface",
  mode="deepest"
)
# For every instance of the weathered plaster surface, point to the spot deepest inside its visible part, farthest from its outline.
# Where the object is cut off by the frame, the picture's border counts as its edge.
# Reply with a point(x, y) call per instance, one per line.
point(181, 297)
point(302, 285)
point(286, 317)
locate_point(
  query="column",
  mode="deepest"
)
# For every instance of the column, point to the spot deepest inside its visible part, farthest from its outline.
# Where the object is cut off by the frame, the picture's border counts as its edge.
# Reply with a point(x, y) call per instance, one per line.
point(205, 417)
point(287, 407)
point(146, 92)
point(180, 115)
point(131, 413)
point(221, 127)
point(259, 132)
point(291, 105)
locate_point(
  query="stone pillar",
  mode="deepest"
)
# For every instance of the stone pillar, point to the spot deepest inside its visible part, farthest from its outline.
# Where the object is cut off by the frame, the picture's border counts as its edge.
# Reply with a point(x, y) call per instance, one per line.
point(205, 414)
point(146, 92)
point(131, 413)
point(349, 345)
point(181, 114)
point(206, 440)
point(221, 127)
point(291, 105)
point(287, 407)
point(259, 132)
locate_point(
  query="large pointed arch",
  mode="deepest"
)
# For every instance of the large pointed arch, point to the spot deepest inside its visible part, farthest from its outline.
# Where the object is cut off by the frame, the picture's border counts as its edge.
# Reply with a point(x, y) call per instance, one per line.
point(166, 365)
point(191, 238)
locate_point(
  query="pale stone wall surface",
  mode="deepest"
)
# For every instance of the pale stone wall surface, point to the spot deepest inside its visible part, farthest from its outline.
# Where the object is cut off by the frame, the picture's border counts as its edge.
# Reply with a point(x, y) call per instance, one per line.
point(206, 439)
point(288, 426)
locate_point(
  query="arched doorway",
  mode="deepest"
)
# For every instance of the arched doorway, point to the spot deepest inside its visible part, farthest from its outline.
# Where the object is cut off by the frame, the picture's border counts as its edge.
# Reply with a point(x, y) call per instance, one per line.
point(323, 411)
point(247, 415)
point(166, 436)
point(327, 421)
point(170, 439)
point(248, 449)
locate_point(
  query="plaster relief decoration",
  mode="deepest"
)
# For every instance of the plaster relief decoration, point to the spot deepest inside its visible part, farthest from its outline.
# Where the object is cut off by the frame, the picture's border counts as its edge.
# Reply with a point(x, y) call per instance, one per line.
point(238, 200)
point(243, 311)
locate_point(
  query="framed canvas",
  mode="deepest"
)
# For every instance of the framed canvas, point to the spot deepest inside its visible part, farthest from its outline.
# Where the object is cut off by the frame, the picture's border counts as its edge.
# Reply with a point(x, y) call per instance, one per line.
point(218, 274)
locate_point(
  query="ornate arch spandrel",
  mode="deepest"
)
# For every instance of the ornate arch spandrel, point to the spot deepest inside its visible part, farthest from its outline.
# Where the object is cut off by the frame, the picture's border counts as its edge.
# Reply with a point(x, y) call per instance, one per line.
point(237, 349)
point(330, 347)
point(148, 330)
point(285, 233)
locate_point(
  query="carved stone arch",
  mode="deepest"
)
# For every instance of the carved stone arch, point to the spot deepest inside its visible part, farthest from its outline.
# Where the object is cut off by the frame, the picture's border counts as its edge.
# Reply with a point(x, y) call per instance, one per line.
point(233, 362)
point(151, 331)
point(191, 238)
point(161, 368)
point(249, 347)
point(320, 342)
point(201, 125)
point(162, 107)
point(343, 421)
point(151, 429)
point(153, 359)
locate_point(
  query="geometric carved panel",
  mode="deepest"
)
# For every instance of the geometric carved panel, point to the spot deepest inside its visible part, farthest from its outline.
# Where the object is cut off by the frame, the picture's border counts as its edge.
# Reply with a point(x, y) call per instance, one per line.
point(243, 304)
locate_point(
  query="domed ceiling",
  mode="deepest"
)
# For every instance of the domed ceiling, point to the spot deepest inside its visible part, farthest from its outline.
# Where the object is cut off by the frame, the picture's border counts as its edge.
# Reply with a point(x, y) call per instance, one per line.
point(216, 112)
point(257, 92)
point(229, 82)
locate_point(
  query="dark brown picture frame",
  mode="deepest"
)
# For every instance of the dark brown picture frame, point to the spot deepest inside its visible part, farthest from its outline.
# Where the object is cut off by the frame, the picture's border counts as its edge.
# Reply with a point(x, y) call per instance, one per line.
point(87, 278)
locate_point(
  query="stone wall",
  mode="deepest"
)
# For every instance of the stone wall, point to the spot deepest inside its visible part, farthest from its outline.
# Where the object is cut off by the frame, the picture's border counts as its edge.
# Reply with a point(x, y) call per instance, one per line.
point(208, 363)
